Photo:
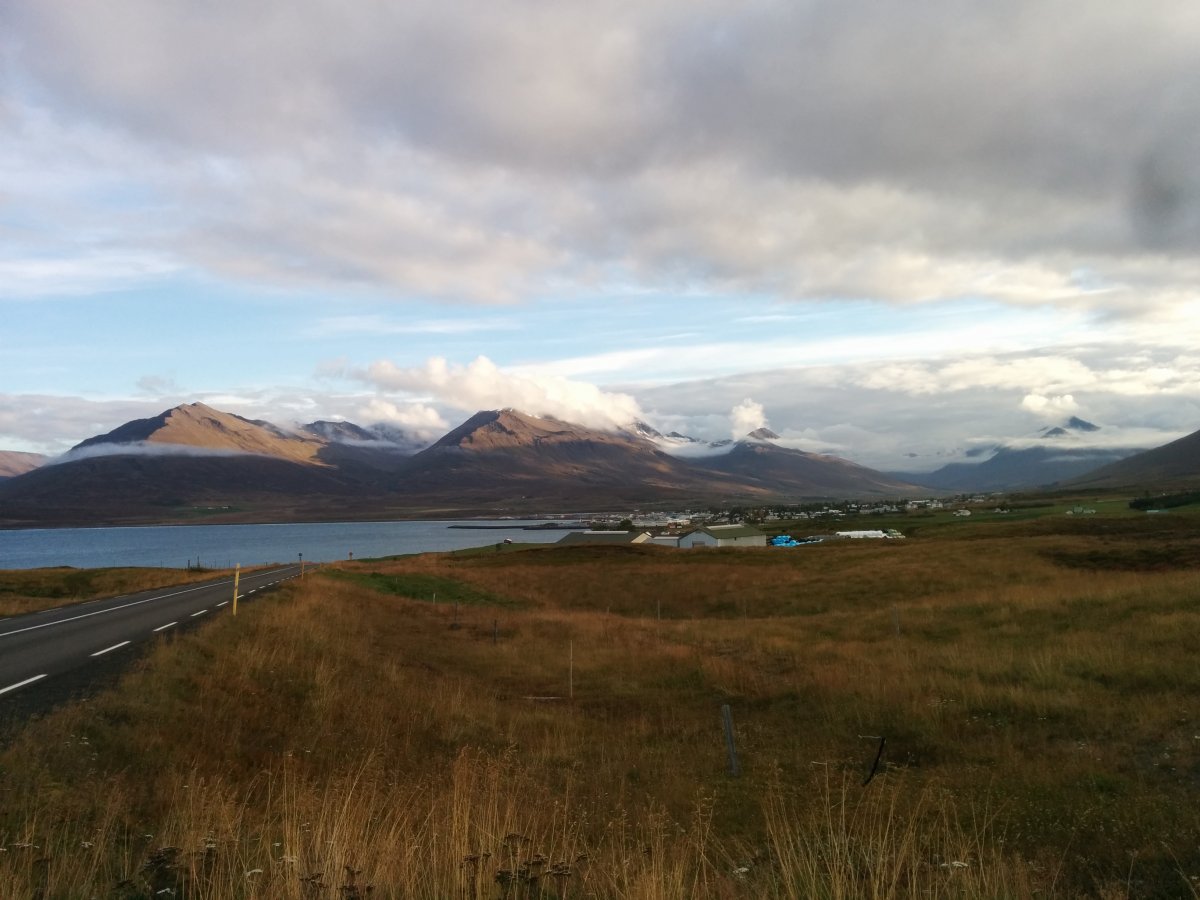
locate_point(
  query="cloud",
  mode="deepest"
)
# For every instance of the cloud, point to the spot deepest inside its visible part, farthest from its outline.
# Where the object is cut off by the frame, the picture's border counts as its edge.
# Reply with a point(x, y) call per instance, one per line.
point(1054, 408)
point(481, 384)
point(491, 154)
point(418, 419)
point(49, 424)
point(747, 416)
point(158, 385)
point(374, 325)
point(141, 448)
point(917, 415)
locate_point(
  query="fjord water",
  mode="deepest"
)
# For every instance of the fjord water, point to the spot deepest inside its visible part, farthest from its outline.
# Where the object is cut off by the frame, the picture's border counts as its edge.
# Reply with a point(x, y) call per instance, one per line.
point(219, 546)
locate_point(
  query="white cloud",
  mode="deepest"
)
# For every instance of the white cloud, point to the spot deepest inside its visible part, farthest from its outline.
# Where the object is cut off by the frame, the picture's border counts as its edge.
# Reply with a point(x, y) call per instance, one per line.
point(1054, 408)
point(747, 416)
point(481, 384)
point(418, 419)
point(141, 448)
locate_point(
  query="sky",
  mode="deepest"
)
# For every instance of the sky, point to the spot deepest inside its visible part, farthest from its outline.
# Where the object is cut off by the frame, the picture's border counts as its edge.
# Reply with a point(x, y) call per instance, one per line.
point(891, 231)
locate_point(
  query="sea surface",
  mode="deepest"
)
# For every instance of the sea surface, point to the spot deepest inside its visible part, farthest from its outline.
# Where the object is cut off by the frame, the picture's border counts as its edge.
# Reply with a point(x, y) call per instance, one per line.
point(221, 546)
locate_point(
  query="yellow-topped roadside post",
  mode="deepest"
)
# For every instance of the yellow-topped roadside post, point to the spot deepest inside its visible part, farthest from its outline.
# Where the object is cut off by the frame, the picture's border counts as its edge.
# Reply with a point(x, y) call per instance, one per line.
point(237, 574)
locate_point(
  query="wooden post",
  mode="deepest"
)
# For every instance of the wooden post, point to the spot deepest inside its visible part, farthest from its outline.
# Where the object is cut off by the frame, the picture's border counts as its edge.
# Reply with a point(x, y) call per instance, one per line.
point(237, 574)
point(727, 718)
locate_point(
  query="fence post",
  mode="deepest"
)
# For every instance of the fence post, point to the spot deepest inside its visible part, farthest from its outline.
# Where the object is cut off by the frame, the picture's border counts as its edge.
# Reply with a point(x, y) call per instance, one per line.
point(727, 718)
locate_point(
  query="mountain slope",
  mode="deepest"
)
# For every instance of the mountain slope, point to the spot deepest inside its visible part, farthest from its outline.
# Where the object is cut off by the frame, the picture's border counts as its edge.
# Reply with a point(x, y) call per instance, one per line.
point(785, 472)
point(507, 454)
point(203, 428)
point(1058, 453)
point(1176, 464)
point(16, 462)
point(188, 457)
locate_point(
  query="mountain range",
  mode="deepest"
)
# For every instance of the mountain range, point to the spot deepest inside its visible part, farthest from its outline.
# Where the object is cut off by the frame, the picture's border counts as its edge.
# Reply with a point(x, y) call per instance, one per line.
point(1054, 455)
point(194, 460)
point(196, 463)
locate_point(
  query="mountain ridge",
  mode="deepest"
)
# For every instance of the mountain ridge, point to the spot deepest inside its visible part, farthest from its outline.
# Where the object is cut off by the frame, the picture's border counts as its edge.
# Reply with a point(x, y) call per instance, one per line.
point(1050, 460)
point(494, 460)
point(1175, 464)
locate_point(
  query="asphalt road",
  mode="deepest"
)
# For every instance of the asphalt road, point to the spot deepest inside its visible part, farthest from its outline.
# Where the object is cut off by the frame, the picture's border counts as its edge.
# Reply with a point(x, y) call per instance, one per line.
point(65, 643)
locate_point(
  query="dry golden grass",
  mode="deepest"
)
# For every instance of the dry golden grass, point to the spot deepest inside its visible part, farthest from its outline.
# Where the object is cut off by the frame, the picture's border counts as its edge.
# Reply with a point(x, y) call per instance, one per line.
point(1041, 723)
point(31, 590)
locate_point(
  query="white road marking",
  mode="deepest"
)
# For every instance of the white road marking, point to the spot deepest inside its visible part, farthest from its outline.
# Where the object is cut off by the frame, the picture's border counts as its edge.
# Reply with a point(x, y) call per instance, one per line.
point(110, 609)
point(21, 684)
point(110, 649)
point(199, 613)
point(222, 603)
point(100, 612)
point(165, 627)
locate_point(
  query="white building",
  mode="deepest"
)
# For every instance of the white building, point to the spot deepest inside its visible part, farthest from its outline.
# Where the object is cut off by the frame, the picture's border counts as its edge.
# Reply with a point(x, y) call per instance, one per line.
point(724, 536)
point(872, 533)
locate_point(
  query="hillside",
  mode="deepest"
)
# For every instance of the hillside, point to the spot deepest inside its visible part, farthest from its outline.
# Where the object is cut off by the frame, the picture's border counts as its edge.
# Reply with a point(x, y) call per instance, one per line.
point(1176, 464)
point(205, 429)
point(1053, 455)
point(759, 462)
point(505, 455)
point(16, 462)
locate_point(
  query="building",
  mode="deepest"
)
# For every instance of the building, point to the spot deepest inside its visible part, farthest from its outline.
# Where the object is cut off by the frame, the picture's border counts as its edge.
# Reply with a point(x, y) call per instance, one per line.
point(724, 536)
point(664, 540)
point(871, 534)
point(576, 538)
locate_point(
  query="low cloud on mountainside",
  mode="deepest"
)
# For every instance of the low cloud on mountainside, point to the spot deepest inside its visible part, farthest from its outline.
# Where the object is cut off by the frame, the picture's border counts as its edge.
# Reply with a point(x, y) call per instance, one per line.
point(141, 448)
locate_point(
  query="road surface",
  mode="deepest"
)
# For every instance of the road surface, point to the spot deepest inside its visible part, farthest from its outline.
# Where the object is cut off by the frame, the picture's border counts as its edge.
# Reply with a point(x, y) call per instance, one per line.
point(63, 643)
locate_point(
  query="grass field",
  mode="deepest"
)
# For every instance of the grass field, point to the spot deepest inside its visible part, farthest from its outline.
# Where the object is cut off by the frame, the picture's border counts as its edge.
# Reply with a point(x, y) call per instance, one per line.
point(30, 590)
point(551, 726)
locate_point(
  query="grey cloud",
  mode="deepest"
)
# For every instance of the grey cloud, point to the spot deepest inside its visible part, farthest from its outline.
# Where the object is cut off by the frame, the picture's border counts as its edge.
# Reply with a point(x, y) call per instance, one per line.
point(1166, 198)
point(494, 151)
point(891, 423)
